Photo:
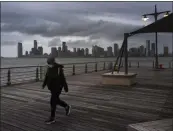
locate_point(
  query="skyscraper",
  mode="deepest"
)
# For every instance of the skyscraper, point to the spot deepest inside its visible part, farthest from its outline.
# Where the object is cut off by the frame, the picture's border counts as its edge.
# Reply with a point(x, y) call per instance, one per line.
point(54, 52)
point(35, 44)
point(134, 52)
point(82, 52)
point(63, 46)
point(78, 51)
point(97, 51)
point(74, 50)
point(40, 50)
point(166, 51)
point(35, 50)
point(142, 50)
point(20, 50)
point(59, 49)
point(109, 51)
point(148, 48)
point(66, 48)
point(26, 53)
point(30, 53)
point(86, 52)
point(116, 49)
point(93, 50)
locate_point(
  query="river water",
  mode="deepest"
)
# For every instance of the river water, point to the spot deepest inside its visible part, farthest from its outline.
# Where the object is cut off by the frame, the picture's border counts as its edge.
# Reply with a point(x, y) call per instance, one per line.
point(15, 62)
point(19, 75)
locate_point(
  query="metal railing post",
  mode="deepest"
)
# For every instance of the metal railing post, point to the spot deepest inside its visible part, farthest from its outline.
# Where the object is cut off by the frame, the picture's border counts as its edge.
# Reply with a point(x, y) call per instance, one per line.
point(104, 66)
point(86, 68)
point(95, 67)
point(73, 70)
point(9, 77)
point(37, 76)
point(41, 72)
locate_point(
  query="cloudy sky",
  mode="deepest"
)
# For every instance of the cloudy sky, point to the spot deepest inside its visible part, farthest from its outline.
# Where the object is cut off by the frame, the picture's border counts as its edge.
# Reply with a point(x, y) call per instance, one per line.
point(80, 24)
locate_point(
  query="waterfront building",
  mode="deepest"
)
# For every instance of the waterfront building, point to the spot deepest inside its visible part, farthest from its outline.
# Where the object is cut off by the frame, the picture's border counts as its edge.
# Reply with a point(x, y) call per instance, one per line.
point(20, 49)
point(116, 49)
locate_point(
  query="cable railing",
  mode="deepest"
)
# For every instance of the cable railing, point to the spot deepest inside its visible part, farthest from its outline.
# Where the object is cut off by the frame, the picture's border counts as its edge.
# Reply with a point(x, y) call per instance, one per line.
point(18, 75)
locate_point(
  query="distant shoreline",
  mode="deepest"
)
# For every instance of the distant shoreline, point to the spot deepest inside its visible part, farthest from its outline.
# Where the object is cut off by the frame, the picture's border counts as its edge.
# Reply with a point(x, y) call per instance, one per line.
point(76, 57)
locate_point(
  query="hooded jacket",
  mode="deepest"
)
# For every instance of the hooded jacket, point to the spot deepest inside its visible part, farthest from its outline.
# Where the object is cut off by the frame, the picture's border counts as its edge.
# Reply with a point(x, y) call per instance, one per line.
point(55, 79)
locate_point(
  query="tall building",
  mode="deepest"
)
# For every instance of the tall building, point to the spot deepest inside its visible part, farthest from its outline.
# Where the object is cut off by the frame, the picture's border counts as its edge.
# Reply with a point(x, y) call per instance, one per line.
point(78, 51)
point(153, 49)
point(116, 49)
point(93, 50)
point(148, 48)
point(97, 51)
point(54, 52)
point(26, 53)
point(86, 52)
point(40, 50)
point(134, 52)
point(20, 50)
point(32, 51)
point(35, 44)
point(142, 50)
point(59, 49)
point(109, 51)
point(64, 47)
point(82, 52)
point(74, 50)
point(166, 51)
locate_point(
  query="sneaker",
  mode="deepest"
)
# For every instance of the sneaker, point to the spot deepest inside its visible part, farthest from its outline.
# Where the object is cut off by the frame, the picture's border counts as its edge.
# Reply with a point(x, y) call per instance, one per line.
point(67, 109)
point(50, 120)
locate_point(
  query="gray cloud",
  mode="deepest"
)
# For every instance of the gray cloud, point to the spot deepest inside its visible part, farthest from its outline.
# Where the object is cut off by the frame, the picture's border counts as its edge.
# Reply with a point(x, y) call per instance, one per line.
point(9, 43)
point(101, 22)
point(54, 42)
point(81, 43)
point(75, 27)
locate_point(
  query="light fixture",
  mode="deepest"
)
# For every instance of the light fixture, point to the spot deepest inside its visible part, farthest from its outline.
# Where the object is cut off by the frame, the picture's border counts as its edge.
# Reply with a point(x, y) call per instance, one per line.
point(145, 18)
point(167, 13)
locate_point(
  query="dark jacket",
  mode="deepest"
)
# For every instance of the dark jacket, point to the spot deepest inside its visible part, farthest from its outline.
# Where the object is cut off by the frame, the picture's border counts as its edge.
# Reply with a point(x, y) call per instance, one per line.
point(55, 79)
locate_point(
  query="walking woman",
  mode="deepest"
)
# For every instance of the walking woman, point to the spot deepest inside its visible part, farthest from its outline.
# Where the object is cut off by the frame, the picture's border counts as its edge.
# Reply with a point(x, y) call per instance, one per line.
point(55, 81)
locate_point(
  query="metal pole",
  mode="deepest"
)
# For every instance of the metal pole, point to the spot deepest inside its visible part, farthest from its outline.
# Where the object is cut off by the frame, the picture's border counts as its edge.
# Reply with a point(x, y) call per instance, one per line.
point(156, 55)
point(155, 14)
point(126, 53)
point(121, 49)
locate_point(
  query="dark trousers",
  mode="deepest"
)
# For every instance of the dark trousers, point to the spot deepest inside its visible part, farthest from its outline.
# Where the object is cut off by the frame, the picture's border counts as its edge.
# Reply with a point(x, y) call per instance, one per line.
point(55, 100)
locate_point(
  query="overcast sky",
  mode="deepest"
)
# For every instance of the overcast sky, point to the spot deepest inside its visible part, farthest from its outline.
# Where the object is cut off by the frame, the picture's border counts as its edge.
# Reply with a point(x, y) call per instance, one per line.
point(80, 24)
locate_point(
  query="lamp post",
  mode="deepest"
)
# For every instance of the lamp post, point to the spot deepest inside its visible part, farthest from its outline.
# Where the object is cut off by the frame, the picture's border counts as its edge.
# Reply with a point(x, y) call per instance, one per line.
point(155, 14)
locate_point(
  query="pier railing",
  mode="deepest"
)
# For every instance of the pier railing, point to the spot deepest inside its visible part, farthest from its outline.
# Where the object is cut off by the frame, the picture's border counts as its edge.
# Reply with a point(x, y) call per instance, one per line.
point(17, 75)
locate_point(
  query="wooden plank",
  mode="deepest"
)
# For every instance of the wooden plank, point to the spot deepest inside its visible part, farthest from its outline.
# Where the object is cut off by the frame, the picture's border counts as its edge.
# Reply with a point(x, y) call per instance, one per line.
point(94, 107)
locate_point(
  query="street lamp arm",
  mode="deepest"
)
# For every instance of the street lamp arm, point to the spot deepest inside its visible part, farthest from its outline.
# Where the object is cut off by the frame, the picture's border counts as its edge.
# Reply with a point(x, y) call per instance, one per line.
point(158, 13)
point(163, 12)
point(148, 14)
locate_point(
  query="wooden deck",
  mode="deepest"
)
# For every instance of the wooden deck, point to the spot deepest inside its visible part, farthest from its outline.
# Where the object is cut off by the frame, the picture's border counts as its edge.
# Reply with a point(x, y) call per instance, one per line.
point(94, 107)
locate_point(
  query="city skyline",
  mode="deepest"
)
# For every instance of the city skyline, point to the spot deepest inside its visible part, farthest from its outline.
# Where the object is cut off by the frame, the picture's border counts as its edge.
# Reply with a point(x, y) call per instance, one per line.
point(62, 51)
point(87, 24)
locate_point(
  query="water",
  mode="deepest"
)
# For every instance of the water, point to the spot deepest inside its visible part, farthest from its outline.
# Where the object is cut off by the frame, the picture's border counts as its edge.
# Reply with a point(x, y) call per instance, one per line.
point(15, 62)
point(20, 75)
